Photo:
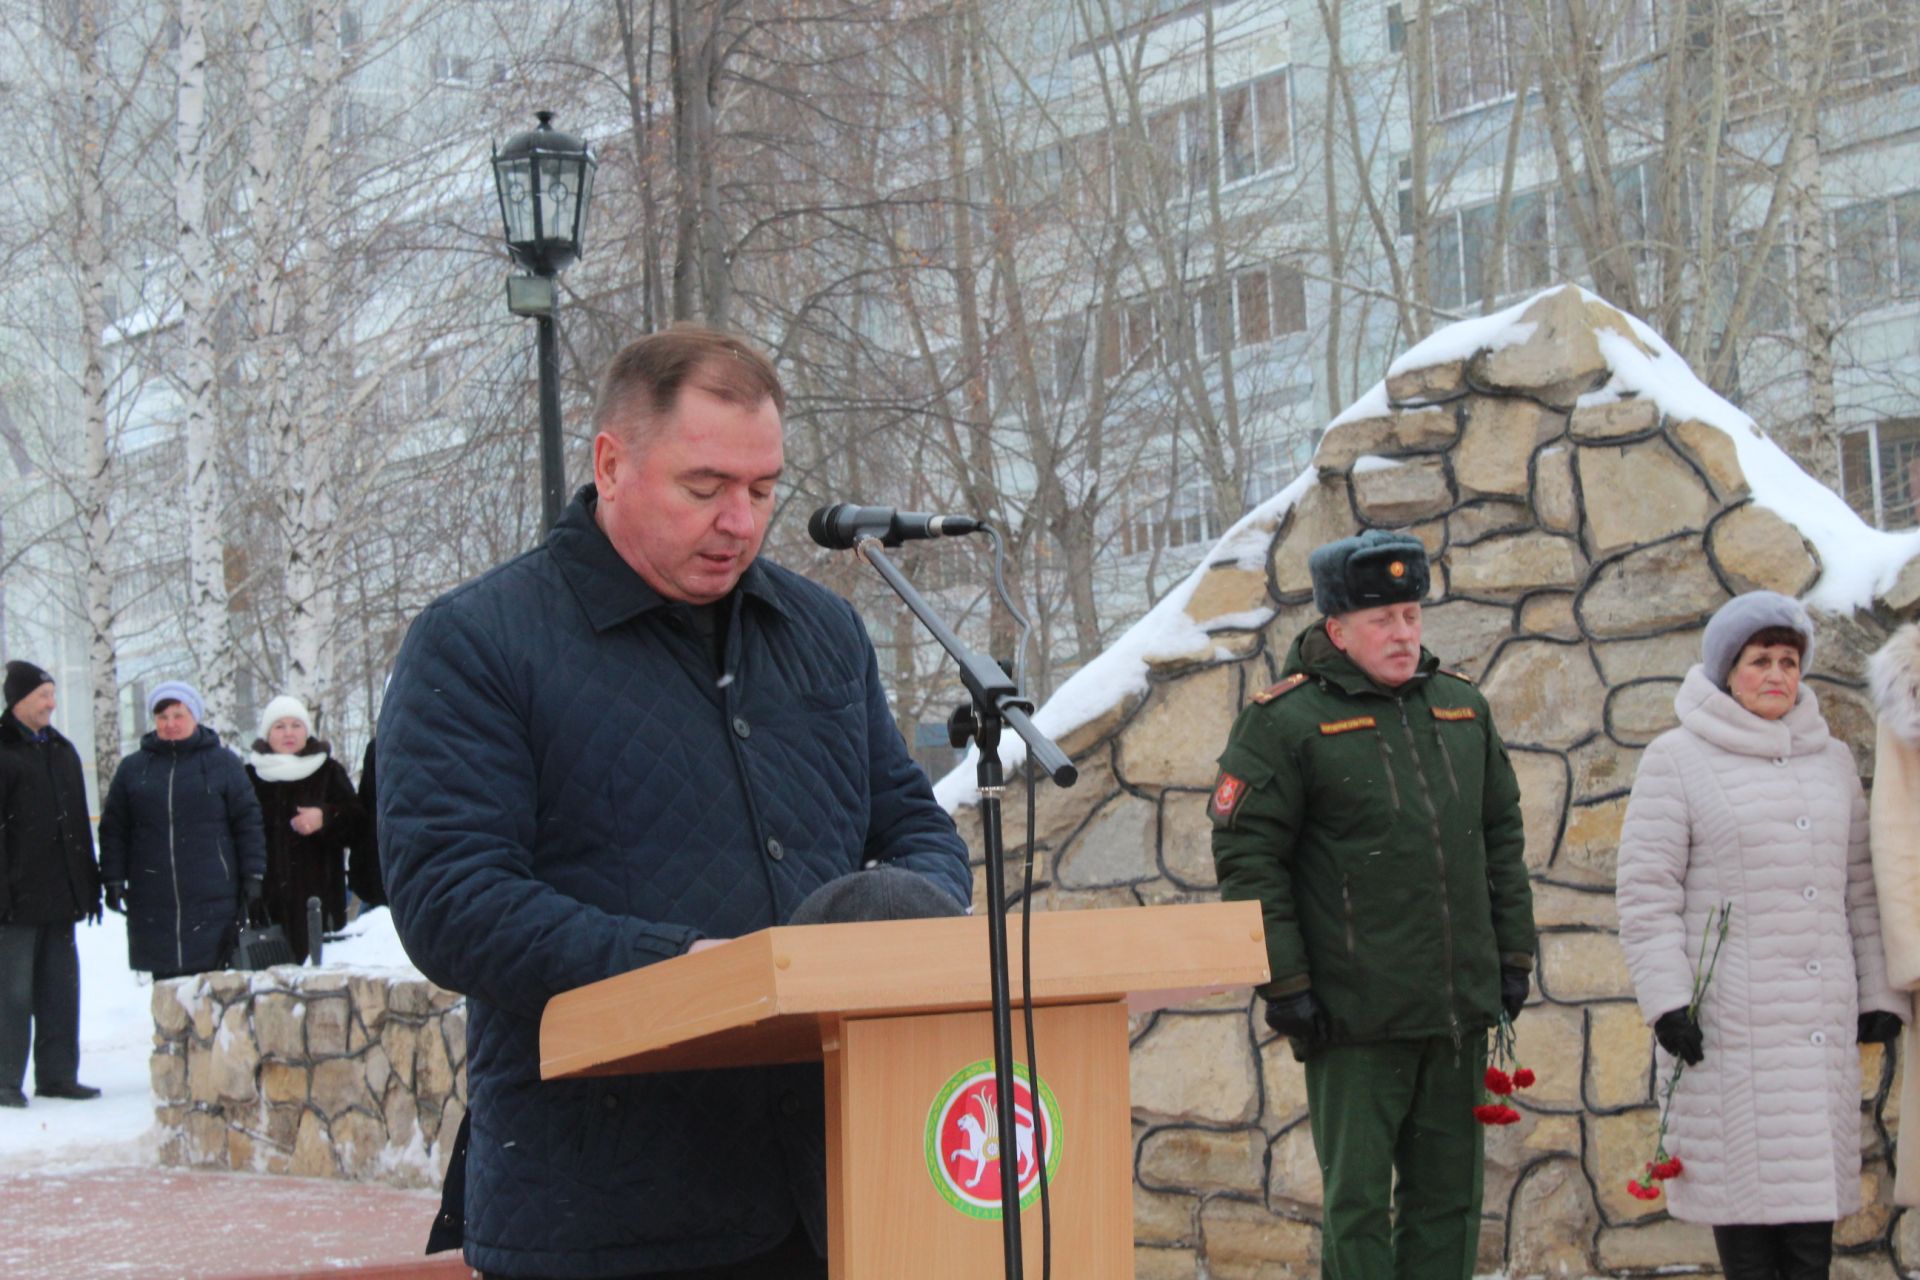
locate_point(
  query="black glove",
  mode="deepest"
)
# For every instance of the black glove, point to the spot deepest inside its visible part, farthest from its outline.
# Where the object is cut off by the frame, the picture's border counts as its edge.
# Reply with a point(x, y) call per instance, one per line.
point(1300, 1016)
point(93, 912)
point(1680, 1036)
point(1879, 1027)
point(116, 893)
point(1515, 983)
point(254, 891)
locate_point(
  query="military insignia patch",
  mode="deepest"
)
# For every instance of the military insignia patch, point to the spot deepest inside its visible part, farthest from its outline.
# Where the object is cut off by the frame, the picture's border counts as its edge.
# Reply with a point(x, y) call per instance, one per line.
point(1288, 685)
point(1454, 713)
point(1347, 726)
point(1227, 795)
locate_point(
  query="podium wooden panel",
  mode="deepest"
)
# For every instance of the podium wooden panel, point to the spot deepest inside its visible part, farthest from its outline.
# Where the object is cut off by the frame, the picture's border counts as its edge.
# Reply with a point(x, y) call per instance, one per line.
point(894, 1010)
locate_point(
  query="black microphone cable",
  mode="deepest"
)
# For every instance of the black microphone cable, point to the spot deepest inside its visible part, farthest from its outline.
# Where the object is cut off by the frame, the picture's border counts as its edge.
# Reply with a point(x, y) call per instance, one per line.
point(1040, 1135)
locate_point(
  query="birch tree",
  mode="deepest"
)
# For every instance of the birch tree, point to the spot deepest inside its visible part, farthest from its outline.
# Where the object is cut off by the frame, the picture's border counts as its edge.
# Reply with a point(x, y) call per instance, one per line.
point(206, 542)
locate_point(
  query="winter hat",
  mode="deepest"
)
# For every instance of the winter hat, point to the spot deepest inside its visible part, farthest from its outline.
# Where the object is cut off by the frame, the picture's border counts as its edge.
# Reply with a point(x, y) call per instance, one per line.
point(177, 691)
point(878, 893)
point(280, 709)
point(1742, 618)
point(1364, 572)
point(22, 679)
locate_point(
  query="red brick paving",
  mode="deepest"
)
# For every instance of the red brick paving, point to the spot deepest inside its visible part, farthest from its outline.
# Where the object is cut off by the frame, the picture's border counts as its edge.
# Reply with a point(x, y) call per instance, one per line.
point(164, 1224)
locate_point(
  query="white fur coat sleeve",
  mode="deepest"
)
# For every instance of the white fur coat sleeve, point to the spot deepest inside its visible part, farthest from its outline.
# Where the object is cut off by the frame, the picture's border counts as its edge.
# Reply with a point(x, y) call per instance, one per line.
point(1896, 804)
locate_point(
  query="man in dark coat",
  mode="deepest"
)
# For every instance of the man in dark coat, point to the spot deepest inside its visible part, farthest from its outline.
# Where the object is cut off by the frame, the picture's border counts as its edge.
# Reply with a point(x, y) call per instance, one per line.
point(1367, 803)
point(50, 884)
point(635, 742)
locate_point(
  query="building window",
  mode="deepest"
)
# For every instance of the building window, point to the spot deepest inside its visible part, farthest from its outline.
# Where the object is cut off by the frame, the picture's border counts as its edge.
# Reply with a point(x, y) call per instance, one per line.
point(1880, 471)
point(1874, 41)
point(1770, 304)
point(1480, 48)
point(452, 68)
point(1876, 247)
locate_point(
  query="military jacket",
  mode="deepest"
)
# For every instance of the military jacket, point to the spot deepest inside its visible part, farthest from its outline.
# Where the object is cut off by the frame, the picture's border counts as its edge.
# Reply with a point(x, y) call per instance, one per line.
point(1380, 831)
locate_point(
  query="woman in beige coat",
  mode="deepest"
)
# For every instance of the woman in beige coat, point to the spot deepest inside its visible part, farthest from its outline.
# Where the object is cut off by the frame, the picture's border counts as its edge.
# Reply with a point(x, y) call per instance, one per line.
point(1751, 803)
point(1896, 864)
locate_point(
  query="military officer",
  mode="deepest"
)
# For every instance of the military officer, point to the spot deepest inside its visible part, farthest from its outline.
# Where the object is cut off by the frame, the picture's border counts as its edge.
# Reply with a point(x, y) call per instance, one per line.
point(1367, 803)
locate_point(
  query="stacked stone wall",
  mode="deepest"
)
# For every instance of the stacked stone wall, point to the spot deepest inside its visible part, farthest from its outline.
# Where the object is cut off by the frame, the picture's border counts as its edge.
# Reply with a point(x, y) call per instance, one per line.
point(1577, 551)
point(322, 1073)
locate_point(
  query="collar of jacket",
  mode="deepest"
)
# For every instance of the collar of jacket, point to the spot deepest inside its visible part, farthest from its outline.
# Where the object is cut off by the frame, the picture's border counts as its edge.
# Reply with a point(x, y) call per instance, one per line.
point(1313, 654)
point(12, 732)
point(200, 739)
point(1712, 713)
point(608, 588)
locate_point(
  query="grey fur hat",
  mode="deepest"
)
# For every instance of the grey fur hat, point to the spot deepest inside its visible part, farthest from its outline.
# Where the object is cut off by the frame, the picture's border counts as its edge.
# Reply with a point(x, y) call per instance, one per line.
point(1742, 618)
point(1371, 569)
point(878, 893)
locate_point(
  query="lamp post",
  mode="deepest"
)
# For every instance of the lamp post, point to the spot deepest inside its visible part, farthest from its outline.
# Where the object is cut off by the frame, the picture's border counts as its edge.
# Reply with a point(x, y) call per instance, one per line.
point(545, 180)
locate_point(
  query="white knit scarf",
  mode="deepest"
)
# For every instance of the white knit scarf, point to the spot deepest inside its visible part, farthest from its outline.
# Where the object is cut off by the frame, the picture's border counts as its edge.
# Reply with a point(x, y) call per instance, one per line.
point(274, 767)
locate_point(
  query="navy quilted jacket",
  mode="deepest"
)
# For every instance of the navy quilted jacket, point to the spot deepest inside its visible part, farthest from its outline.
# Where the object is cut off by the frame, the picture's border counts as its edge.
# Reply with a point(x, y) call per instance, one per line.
point(181, 826)
point(567, 792)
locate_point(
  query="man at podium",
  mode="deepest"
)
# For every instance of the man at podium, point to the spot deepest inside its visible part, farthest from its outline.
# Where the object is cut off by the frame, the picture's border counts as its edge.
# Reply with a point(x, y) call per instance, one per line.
point(1367, 803)
point(635, 741)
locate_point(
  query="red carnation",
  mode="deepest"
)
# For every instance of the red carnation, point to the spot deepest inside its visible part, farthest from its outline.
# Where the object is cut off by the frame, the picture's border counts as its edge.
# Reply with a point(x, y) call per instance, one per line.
point(1639, 1192)
point(1668, 1168)
point(1507, 1115)
point(1497, 1082)
point(1523, 1078)
point(1489, 1114)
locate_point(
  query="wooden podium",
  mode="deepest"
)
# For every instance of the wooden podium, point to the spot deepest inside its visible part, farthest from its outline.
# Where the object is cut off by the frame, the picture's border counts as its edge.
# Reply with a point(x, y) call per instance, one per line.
point(898, 1012)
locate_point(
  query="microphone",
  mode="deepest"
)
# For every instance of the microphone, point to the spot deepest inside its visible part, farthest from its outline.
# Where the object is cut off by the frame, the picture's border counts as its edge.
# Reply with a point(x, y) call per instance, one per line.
point(842, 524)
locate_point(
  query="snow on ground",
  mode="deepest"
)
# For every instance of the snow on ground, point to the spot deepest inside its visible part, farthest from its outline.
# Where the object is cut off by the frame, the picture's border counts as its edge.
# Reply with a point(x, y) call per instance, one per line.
point(116, 1039)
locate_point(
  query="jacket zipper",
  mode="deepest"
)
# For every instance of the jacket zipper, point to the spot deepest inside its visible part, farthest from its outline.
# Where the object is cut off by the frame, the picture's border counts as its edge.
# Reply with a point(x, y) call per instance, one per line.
point(173, 868)
point(1440, 862)
point(1346, 899)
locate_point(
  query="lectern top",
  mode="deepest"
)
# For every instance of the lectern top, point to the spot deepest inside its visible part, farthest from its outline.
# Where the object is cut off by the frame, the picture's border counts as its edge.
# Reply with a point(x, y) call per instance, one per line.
point(761, 998)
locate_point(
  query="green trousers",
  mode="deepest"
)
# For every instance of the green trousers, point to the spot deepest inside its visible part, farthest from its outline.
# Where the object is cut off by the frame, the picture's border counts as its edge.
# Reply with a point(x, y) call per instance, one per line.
point(1400, 1156)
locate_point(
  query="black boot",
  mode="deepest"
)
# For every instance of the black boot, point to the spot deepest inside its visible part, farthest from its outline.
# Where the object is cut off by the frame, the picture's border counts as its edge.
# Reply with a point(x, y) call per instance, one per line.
point(1805, 1250)
point(1747, 1253)
point(72, 1089)
point(12, 1098)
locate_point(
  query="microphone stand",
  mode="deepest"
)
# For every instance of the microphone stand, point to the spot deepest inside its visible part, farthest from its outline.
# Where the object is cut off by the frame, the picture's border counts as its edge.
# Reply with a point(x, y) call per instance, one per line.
point(996, 701)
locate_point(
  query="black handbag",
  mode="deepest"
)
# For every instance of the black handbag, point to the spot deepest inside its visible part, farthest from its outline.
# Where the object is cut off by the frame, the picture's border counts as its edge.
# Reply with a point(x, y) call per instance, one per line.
point(261, 947)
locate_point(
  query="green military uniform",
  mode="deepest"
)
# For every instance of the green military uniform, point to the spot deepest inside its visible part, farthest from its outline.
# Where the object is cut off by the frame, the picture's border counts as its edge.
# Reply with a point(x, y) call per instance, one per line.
point(1380, 831)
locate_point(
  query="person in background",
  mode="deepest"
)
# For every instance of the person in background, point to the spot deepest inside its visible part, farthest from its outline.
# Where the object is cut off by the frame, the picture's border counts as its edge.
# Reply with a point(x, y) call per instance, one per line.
point(363, 862)
point(180, 842)
point(1895, 823)
point(1367, 803)
point(1751, 804)
point(48, 883)
point(309, 813)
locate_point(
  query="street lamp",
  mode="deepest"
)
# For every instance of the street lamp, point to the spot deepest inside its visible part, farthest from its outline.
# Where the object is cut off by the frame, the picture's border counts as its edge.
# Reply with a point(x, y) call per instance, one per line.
point(545, 179)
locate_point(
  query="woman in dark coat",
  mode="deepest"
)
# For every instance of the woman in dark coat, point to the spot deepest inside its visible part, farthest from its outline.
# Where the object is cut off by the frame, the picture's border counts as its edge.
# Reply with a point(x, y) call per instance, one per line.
point(180, 843)
point(310, 813)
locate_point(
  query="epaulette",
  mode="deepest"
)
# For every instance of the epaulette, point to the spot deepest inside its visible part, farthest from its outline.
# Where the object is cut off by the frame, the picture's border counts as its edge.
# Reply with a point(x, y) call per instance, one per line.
point(1286, 686)
point(1457, 675)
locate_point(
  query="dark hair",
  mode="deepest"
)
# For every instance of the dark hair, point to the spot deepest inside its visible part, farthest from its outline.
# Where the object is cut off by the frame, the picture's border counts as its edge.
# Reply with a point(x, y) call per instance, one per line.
point(164, 703)
point(643, 382)
point(1766, 637)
